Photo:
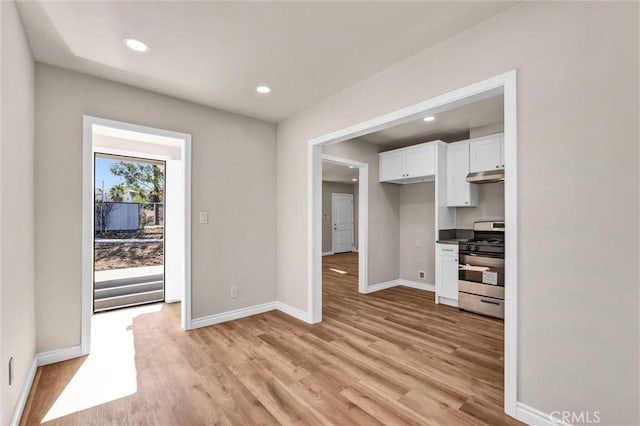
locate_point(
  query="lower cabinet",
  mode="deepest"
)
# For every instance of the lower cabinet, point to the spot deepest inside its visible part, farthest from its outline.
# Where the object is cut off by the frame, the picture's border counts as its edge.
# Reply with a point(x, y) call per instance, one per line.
point(447, 274)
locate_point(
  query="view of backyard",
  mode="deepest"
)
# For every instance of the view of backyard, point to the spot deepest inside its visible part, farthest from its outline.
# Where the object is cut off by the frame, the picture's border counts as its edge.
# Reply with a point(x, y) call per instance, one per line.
point(124, 253)
point(129, 232)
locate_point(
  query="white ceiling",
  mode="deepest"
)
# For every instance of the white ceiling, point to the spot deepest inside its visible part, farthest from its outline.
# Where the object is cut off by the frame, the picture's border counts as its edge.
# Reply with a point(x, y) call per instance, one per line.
point(335, 173)
point(216, 53)
point(450, 125)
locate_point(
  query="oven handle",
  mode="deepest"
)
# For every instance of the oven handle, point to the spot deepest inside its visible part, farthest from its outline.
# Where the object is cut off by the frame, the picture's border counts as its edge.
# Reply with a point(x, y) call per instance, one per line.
point(491, 302)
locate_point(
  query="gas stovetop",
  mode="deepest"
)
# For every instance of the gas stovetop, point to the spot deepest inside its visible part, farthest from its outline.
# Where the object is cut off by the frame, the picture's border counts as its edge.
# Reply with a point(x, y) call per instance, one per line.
point(491, 241)
point(488, 238)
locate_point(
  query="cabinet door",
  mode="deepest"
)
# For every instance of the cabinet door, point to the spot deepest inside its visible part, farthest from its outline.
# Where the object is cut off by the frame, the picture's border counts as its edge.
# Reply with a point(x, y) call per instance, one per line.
point(486, 153)
point(392, 166)
point(421, 161)
point(460, 193)
point(449, 277)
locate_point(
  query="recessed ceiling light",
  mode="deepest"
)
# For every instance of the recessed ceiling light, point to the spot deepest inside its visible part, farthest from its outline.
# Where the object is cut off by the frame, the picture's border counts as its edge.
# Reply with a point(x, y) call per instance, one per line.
point(135, 44)
point(263, 89)
point(352, 167)
point(429, 118)
point(354, 180)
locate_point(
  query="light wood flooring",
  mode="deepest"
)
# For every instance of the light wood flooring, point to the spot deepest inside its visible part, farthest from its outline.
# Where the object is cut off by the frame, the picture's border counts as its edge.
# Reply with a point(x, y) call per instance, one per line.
point(392, 357)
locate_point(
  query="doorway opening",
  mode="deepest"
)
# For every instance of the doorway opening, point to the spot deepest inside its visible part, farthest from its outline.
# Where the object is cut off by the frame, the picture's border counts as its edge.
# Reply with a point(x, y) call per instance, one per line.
point(502, 85)
point(129, 234)
point(149, 207)
point(344, 215)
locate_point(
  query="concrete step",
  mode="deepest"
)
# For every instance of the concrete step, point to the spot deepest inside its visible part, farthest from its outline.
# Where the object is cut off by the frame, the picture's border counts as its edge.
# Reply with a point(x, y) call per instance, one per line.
point(127, 289)
point(125, 281)
point(128, 300)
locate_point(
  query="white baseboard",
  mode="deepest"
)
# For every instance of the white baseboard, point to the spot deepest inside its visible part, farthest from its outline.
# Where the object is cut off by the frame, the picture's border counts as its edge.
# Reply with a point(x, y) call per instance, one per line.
point(294, 312)
point(381, 286)
point(327, 253)
point(417, 285)
point(534, 417)
point(249, 311)
point(24, 394)
point(447, 301)
point(58, 355)
point(399, 282)
point(232, 315)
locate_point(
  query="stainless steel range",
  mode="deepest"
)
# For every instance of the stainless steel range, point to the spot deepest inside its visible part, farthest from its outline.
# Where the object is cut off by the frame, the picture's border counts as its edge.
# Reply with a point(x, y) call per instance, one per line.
point(481, 274)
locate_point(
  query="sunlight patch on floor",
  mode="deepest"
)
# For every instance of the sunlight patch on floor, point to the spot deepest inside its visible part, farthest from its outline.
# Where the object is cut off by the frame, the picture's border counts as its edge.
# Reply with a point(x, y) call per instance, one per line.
point(340, 271)
point(109, 372)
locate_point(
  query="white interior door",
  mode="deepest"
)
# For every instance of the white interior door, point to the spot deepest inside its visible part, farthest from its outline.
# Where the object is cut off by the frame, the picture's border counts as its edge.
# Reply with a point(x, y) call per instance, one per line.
point(342, 220)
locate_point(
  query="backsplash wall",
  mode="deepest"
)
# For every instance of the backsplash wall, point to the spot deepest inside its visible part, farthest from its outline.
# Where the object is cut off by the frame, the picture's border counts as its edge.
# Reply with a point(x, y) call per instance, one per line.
point(490, 206)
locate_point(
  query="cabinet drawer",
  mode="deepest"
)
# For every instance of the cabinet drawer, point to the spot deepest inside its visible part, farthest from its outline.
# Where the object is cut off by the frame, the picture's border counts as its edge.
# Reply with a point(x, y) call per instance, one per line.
point(481, 305)
point(449, 250)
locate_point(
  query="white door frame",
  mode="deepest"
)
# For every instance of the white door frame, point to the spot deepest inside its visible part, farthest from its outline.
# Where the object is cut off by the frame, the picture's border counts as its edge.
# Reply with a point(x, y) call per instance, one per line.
point(333, 203)
point(503, 83)
point(315, 299)
point(88, 123)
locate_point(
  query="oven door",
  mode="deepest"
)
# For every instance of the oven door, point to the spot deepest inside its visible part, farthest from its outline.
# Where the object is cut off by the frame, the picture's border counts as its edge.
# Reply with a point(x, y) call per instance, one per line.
point(481, 284)
point(481, 269)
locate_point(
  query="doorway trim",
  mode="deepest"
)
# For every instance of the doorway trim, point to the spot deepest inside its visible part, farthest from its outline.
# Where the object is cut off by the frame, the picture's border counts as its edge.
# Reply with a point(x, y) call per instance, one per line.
point(315, 299)
point(503, 83)
point(88, 122)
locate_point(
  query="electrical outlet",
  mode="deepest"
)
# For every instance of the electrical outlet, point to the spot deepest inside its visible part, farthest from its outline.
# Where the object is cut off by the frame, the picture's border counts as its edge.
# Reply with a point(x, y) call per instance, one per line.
point(418, 243)
point(234, 292)
point(204, 217)
point(421, 275)
point(10, 371)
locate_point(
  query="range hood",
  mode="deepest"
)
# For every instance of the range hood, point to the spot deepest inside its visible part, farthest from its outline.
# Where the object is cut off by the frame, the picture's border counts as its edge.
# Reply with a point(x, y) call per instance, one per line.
point(486, 177)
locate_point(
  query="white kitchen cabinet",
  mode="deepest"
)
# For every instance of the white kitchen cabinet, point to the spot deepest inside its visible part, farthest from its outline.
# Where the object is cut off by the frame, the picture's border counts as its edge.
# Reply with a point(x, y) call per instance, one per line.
point(408, 165)
point(447, 273)
point(486, 153)
point(421, 161)
point(392, 166)
point(460, 193)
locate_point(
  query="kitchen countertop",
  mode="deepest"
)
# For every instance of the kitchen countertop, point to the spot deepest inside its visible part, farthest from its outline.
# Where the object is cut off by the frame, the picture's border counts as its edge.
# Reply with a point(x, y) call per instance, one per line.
point(452, 241)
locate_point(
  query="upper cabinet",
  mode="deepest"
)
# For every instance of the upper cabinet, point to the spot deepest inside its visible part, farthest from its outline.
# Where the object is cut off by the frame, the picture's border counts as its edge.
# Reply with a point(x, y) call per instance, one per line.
point(486, 153)
point(408, 165)
point(460, 193)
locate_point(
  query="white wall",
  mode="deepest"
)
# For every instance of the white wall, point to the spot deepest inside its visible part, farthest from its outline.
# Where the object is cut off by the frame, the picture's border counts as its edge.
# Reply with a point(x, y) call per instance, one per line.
point(417, 223)
point(17, 317)
point(174, 264)
point(490, 206)
point(233, 177)
point(578, 187)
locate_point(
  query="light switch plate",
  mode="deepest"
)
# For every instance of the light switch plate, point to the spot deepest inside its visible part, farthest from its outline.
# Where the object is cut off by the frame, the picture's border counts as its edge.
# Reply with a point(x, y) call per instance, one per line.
point(204, 217)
